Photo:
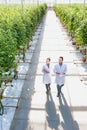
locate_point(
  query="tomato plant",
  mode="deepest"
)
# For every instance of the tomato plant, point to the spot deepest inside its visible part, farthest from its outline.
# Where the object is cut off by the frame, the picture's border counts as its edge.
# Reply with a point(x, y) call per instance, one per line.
point(72, 17)
point(16, 29)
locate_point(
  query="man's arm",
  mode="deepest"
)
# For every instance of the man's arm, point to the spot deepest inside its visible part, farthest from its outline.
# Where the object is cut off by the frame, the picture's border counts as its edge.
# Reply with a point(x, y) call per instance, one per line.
point(65, 70)
point(44, 70)
point(55, 70)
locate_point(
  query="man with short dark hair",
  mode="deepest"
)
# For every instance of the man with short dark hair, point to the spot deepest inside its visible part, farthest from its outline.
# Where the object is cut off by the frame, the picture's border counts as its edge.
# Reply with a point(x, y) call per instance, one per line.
point(60, 71)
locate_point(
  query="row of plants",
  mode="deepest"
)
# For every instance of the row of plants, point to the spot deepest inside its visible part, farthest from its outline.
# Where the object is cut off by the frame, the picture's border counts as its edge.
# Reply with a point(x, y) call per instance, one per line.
point(73, 18)
point(16, 30)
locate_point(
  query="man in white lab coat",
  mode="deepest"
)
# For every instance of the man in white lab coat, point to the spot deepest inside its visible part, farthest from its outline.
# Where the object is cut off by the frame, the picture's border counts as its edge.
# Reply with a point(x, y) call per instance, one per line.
point(46, 74)
point(60, 71)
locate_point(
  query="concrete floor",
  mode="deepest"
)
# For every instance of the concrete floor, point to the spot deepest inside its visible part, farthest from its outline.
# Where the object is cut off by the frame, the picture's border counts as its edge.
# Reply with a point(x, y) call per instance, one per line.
point(36, 110)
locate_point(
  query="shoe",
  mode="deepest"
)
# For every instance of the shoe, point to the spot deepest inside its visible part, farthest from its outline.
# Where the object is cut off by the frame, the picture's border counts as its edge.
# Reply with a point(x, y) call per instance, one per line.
point(58, 94)
point(47, 92)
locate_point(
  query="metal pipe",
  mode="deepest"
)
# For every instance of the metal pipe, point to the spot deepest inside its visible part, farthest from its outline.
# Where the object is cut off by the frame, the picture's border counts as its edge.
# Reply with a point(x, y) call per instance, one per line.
point(66, 75)
point(84, 8)
point(37, 2)
point(69, 2)
point(22, 5)
point(5, 1)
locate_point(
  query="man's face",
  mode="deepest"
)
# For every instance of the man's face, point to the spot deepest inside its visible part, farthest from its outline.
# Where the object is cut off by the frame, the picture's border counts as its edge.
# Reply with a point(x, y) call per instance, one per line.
point(47, 61)
point(60, 61)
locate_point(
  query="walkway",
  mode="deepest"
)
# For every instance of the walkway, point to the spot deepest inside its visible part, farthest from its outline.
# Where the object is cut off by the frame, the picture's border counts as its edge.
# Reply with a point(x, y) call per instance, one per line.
point(36, 111)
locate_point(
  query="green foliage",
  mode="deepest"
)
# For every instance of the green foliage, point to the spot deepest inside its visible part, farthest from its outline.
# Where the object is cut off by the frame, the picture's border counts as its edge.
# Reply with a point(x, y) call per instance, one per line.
point(81, 32)
point(16, 29)
point(72, 17)
point(7, 49)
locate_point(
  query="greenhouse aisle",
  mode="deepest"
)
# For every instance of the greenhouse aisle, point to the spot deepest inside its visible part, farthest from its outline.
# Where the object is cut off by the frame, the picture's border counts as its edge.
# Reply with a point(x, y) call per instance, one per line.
point(36, 111)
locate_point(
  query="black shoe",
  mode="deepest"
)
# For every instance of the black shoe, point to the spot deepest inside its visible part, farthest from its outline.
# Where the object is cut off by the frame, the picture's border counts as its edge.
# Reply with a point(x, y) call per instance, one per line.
point(58, 94)
point(47, 92)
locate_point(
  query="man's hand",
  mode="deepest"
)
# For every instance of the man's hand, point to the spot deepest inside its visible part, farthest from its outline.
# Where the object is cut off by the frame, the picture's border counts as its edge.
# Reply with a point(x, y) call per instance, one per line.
point(46, 71)
point(57, 72)
point(60, 73)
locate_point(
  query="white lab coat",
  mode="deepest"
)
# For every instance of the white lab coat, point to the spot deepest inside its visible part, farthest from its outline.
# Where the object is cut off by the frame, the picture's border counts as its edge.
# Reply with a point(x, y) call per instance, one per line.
point(60, 78)
point(46, 76)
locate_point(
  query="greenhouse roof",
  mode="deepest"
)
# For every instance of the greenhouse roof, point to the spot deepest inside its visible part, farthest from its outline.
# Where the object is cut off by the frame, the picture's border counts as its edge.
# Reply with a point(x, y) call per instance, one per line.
point(41, 1)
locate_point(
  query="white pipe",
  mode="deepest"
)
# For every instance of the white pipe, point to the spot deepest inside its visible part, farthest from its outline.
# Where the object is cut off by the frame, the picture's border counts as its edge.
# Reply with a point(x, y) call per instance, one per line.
point(84, 8)
point(22, 6)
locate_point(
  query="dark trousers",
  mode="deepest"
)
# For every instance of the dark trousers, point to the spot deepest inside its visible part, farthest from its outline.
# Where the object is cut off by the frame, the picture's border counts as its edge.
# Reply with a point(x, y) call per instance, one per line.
point(47, 87)
point(59, 87)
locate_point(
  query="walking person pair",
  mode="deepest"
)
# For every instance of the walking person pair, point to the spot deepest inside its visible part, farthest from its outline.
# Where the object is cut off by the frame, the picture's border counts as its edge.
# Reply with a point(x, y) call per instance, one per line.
point(60, 70)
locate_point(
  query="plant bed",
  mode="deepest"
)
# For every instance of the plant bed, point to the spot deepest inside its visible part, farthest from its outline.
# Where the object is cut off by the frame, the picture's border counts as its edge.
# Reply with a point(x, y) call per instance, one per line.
point(71, 17)
point(84, 59)
point(73, 42)
point(84, 51)
point(1, 93)
point(77, 47)
point(16, 32)
point(81, 48)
